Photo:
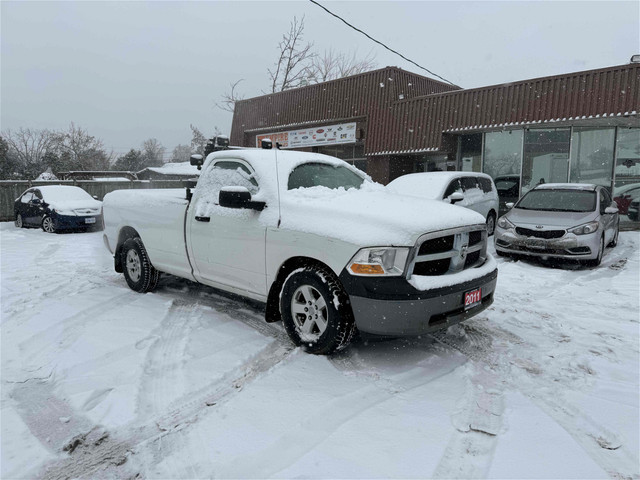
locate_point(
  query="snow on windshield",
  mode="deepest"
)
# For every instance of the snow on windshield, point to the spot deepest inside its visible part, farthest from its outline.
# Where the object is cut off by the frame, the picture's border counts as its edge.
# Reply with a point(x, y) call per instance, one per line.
point(64, 193)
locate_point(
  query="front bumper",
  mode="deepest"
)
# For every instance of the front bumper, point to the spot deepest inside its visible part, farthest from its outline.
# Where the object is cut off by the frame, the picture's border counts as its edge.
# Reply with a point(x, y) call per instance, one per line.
point(569, 246)
point(391, 306)
point(72, 222)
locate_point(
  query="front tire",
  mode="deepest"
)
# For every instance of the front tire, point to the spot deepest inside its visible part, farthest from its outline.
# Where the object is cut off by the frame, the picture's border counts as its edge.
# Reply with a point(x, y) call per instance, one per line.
point(598, 260)
point(139, 273)
point(19, 222)
point(315, 311)
point(491, 223)
point(47, 224)
point(614, 241)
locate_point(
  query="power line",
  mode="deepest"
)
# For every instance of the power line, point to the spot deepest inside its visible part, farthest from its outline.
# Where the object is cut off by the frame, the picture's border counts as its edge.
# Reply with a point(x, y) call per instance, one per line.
point(380, 43)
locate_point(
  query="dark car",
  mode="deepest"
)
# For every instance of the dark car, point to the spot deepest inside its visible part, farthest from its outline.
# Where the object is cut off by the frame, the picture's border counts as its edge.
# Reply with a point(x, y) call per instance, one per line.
point(58, 207)
point(624, 195)
point(633, 210)
point(508, 187)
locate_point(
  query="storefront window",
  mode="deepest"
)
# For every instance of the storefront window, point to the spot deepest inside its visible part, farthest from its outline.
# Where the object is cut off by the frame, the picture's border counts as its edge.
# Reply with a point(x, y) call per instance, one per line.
point(471, 152)
point(592, 155)
point(546, 157)
point(502, 153)
point(627, 187)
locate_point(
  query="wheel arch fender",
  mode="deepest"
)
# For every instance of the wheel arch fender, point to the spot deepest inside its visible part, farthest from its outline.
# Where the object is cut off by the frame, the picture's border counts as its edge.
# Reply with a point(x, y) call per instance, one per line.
point(272, 313)
point(124, 234)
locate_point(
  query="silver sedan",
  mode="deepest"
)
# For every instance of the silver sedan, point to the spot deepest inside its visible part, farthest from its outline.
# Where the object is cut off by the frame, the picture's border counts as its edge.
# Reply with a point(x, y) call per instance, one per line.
point(560, 220)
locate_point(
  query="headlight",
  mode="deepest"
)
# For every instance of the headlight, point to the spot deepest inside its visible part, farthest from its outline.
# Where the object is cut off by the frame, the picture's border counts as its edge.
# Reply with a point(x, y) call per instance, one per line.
point(63, 212)
point(388, 262)
point(504, 223)
point(584, 229)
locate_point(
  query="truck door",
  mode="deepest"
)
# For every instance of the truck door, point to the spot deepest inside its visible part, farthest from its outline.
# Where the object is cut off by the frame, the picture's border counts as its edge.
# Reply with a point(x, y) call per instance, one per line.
point(226, 245)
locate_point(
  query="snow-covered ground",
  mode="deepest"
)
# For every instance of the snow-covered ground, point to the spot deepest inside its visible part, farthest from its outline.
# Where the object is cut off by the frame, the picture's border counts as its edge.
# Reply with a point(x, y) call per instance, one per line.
point(100, 381)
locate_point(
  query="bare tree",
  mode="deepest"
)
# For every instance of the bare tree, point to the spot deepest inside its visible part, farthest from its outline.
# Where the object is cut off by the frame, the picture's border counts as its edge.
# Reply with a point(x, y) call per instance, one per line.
point(198, 139)
point(28, 147)
point(229, 99)
point(153, 152)
point(332, 65)
point(80, 151)
point(299, 65)
point(181, 153)
point(293, 56)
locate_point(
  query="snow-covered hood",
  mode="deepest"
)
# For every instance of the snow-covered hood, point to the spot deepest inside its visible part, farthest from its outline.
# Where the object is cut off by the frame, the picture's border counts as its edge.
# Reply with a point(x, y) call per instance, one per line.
point(371, 216)
point(551, 219)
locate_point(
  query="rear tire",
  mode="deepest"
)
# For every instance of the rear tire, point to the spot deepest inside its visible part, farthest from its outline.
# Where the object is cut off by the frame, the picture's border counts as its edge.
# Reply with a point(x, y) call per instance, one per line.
point(19, 222)
point(311, 315)
point(138, 271)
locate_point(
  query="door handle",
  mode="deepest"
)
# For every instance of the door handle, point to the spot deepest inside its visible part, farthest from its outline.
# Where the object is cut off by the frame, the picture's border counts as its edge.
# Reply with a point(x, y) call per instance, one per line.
point(203, 219)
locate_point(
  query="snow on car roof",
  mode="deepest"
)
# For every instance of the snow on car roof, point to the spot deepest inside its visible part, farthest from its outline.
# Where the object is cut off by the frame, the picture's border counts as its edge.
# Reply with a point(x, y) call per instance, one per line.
point(175, 168)
point(428, 184)
point(567, 186)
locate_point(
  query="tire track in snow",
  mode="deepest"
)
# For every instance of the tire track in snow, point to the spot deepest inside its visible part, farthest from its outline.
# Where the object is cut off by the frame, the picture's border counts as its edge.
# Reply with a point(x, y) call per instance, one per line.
point(514, 369)
point(163, 379)
point(294, 444)
point(478, 420)
point(59, 336)
point(114, 453)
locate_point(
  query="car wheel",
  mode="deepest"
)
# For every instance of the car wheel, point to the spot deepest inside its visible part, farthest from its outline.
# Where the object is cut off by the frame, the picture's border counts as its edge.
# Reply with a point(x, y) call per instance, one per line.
point(139, 273)
point(614, 241)
point(19, 223)
point(598, 260)
point(491, 223)
point(47, 224)
point(315, 311)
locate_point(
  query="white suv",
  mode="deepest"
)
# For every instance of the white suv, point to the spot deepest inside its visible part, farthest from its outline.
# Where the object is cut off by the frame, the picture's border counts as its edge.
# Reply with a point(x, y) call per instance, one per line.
point(467, 189)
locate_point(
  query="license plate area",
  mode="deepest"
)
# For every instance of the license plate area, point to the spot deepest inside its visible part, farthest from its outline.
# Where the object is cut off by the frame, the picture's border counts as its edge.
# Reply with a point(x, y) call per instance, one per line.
point(472, 298)
point(89, 220)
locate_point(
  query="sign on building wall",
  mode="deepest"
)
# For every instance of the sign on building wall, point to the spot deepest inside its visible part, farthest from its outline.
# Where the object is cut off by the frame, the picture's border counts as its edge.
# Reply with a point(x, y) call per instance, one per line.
point(313, 137)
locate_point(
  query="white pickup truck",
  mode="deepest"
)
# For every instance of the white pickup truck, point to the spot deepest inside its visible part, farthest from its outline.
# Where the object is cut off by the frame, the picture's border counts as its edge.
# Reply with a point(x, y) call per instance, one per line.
point(325, 248)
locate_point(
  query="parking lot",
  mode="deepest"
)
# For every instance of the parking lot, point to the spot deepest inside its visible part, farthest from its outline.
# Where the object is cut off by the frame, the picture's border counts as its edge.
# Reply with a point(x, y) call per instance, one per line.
point(185, 382)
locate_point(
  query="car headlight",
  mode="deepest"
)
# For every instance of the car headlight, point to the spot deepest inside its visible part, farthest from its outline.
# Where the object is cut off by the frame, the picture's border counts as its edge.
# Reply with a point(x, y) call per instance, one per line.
point(584, 229)
point(504, 223)
point(63, 212)
point(383, 261)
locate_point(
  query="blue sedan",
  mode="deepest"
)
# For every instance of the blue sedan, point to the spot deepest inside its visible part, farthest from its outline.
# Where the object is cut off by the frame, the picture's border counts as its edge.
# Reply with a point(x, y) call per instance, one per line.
point(58, 207)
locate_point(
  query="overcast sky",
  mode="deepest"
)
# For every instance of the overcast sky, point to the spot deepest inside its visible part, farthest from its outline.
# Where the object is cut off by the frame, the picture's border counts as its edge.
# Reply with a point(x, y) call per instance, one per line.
point(129, 71)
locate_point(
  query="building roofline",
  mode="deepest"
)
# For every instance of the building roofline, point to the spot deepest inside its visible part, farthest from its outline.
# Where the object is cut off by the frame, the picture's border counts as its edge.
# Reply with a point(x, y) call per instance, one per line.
point(370, 72)
point(515, 82)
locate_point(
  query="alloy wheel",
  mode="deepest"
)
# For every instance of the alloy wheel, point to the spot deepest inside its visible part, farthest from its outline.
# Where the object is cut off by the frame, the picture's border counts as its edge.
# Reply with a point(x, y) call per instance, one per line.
point(309, 312)
point(133, 265)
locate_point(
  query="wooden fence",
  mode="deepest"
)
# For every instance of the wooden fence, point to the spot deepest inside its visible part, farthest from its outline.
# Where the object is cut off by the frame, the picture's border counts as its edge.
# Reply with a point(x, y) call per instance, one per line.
point(11, 189)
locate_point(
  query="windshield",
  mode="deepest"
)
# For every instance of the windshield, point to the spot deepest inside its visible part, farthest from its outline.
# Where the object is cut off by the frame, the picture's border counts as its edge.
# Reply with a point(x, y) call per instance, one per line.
point(64, 193)
point(321, 174)
point(559, 200)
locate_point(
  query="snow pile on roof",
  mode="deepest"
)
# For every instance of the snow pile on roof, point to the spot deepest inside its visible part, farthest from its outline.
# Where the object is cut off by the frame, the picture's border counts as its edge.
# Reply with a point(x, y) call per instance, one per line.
point(175, 168)
point(68, 197)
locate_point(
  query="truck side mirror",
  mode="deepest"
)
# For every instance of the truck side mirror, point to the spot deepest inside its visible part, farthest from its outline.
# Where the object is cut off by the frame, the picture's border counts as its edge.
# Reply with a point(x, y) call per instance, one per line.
point(456, 197)
point(196, 159)
point(238, 197)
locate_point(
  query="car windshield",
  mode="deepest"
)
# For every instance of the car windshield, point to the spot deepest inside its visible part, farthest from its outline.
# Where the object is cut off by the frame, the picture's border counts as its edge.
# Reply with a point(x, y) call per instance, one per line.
point(64, 193)
point(561, 200)
point(325, 175)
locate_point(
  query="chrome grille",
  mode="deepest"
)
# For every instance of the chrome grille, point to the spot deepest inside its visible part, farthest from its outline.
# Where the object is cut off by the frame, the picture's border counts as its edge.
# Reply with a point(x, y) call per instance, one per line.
point(449, 251)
